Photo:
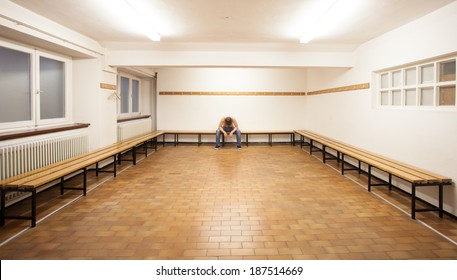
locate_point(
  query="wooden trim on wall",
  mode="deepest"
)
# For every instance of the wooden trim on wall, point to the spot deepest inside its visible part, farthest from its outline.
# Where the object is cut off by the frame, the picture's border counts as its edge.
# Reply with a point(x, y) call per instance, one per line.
point(231, 93)
point(108, 86)
point(340, 89)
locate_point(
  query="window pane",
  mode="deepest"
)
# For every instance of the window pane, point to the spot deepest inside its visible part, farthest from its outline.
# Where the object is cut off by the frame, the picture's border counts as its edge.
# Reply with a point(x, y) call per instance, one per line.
point(135, 96)
point(125, 87)
point(52, 87)
point(427, 96)
point(396, 79)
point(396, 97)
point(410, 76)
point(447, 71)
point(384, 98)
point(385, 80)
point(427, 74)
point(410, 97)
point(15, 86)
point(447, 95)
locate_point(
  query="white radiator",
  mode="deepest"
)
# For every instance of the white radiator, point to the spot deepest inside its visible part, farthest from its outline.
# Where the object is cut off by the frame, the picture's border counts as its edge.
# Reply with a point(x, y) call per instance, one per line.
point(129, 129)
point(32, 153)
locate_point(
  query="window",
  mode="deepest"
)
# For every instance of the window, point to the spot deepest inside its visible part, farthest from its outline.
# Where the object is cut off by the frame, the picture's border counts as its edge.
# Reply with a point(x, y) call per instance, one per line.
point(34, 87)
point(51, 88)
point(411, 96)
point(129, 90)
point(15, 86)
point(410, 77)
point(431, 84)
point(396, 98)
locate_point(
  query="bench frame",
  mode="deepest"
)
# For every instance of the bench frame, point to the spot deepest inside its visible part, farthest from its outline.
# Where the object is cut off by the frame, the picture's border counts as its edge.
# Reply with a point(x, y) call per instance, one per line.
point(370, 160)
point(270, 134)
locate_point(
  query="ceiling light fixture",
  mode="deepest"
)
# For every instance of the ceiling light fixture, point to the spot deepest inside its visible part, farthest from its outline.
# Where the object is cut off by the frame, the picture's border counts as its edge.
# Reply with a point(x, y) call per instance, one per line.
point(127, 16)
point(142, 23)
point(333, 17)
point(314, 27)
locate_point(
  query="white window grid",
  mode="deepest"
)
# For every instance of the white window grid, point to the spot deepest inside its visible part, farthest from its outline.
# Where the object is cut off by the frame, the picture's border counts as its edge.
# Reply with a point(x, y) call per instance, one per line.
point(415, 86)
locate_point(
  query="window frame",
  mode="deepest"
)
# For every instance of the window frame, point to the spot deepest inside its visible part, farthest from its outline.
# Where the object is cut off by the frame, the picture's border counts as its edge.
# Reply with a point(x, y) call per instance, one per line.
point(35, 120)
point(67, 94)
point(130, 112)
point(433, 82)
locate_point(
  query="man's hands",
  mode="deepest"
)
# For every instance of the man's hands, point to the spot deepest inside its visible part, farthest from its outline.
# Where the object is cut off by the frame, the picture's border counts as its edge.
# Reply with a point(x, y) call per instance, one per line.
point(228, 135)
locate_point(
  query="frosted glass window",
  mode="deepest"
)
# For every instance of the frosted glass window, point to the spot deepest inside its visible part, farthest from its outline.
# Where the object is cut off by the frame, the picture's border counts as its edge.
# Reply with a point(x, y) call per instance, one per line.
point(385, 80)
point(15, 86)
point(410, 97)
point(447, 71)
point(384, 98)
point(52, 88)
point(410, 76)
point(135, 96)
point(427, 97)
point(396, 97)
point(447, 95)
point(427, 74)
point(125, 95)
point(396, 79)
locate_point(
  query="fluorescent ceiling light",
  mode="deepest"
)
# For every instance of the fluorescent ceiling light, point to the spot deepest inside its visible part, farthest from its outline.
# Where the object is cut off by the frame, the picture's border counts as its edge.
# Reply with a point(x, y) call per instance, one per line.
point(329, 17)
point(128, 16)
point(143, 24)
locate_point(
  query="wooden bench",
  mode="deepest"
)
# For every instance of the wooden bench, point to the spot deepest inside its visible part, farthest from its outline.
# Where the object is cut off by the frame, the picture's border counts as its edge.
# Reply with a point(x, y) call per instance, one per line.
point(417, 177)
point(30, 181)
point(199, 133)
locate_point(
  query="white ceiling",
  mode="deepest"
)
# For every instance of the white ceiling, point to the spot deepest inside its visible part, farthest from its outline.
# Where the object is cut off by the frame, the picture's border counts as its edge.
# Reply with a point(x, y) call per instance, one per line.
point(243, 23)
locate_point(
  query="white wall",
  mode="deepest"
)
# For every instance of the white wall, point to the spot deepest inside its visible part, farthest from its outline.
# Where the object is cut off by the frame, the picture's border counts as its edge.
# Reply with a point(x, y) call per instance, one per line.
point(188, 112)
point(426, 139)
point(93, 105)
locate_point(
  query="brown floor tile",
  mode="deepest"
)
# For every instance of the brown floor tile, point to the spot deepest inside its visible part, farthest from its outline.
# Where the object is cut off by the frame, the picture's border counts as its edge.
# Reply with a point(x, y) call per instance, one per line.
point(260, 203)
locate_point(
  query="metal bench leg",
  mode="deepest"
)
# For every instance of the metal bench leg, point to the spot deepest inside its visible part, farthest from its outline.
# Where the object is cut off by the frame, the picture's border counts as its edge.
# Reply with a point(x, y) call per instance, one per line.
point(85, 181)
point(342, 163)
point(33, 207)
point(413, 202)
point(440, 202)
point(2, 215)
point(369, 178)
point(114, 166)
point(323, 153)
point(390, 182)
point(61, 186)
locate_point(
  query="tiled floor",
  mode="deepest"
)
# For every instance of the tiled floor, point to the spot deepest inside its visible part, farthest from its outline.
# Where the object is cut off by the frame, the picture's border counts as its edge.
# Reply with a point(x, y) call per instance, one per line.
point(262, 202)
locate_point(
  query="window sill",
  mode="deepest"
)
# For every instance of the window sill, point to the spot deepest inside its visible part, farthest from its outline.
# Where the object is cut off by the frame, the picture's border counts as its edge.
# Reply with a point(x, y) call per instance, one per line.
point(133, 118)
point(40, 131)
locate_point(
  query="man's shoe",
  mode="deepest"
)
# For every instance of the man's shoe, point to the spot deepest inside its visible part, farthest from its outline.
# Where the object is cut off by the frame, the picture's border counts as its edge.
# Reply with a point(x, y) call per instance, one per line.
point(239, 148)
point(216, 148)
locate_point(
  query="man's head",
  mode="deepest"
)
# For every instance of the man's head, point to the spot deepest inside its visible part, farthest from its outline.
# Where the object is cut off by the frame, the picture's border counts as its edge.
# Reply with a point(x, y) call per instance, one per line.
point(228, 121)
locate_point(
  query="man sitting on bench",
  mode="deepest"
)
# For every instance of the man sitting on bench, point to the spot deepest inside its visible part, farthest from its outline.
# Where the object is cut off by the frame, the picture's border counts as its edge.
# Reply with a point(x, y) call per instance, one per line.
point(228, 126)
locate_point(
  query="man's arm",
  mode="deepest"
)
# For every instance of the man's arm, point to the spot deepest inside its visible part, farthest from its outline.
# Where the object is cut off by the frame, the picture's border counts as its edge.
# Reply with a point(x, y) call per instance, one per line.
point(221, 124)
point(235, 126)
